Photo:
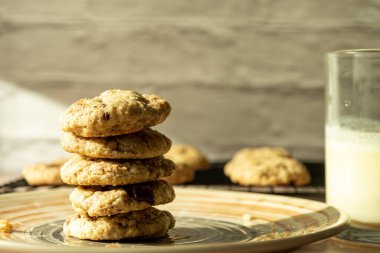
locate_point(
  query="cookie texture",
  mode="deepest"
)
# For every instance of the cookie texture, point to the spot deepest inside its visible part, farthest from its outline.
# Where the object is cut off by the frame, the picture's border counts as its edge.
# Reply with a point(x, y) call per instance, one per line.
point(82, 170)
point(106, 201)
point(146, 143)
point(114, 112)
point(189, 155)
point(182, 174)
point(44, 173)
point(261, 153)
point(266, 167)
point(148, 223)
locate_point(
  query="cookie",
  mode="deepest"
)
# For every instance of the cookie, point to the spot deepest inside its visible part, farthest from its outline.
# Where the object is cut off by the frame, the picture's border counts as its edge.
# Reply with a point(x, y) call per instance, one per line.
point(182, 174)
point(44, 173)
point(114, 112)
point(146, 143)
point(263, 153)
point(148, 223)
point(81, 170)
point(189, 155)
point(266, 167)
point(106, 201)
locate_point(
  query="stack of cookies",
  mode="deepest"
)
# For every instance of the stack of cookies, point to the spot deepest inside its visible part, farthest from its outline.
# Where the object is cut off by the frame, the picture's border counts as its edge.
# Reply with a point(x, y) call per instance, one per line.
point(117, 170)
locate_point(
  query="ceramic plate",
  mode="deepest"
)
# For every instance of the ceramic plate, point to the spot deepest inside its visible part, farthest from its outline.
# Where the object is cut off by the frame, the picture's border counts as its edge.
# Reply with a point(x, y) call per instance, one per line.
point(207, 220)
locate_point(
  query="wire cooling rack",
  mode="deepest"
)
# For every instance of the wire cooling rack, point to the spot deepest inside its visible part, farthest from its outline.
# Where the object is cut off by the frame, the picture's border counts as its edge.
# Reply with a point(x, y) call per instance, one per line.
point(214, 178)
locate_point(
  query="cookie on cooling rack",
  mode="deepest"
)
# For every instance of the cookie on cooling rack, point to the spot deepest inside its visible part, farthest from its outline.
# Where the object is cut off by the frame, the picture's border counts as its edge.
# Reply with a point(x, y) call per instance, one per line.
point(189, 155)
point(44, 173)
point(266, 167)
point(182, 174)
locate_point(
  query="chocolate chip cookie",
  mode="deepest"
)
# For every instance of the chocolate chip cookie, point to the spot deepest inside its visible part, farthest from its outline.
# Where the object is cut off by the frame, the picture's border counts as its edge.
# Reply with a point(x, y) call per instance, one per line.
point(146, 143)
point(81, 170)
point(114, 112)
point(44, 173)
point(266, 167)
point(189, 155)
point(106, 201)
point(148, 223)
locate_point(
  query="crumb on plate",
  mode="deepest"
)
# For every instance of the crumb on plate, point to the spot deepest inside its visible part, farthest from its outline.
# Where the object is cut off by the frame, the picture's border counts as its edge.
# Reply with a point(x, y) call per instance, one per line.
point(247, 217)
point(5, 226)
point(112, 245)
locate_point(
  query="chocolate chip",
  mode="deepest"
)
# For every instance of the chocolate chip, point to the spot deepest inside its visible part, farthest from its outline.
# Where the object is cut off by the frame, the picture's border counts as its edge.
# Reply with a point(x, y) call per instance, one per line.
point(106, 116)
point(141, 193)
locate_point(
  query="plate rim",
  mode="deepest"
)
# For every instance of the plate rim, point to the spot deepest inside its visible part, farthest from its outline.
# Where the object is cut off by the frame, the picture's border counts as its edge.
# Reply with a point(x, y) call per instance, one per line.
point(257, 246)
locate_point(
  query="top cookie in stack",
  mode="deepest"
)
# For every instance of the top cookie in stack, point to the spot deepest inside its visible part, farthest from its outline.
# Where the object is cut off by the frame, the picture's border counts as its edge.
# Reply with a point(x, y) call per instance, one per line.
point(115, 112)
point(120, 161)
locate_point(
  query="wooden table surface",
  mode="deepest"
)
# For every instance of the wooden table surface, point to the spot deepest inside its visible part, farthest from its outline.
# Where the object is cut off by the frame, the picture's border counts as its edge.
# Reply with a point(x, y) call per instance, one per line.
point(327, 246)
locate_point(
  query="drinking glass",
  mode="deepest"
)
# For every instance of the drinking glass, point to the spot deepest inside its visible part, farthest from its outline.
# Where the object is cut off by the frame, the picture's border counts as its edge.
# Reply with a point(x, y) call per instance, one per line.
point(353, 134)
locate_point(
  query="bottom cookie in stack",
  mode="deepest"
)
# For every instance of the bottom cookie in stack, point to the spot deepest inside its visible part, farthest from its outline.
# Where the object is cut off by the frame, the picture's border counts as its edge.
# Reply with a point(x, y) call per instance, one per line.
point(148, 223)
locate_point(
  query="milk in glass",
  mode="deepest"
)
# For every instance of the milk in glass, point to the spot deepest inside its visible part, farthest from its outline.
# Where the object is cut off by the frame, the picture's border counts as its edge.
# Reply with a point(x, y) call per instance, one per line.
point(353, 169)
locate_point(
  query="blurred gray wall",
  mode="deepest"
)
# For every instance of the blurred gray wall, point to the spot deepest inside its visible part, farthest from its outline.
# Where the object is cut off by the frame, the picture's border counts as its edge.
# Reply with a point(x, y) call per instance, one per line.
point(237, 72)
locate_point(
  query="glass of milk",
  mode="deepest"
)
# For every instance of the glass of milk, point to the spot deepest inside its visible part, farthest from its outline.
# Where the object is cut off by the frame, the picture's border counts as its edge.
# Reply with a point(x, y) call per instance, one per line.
point(353, 134)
